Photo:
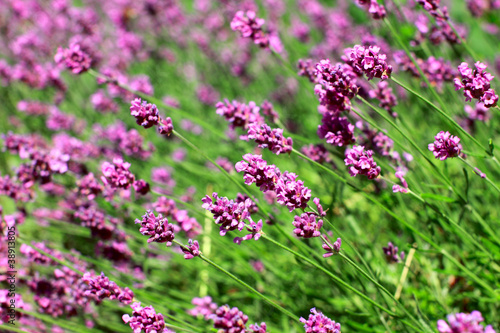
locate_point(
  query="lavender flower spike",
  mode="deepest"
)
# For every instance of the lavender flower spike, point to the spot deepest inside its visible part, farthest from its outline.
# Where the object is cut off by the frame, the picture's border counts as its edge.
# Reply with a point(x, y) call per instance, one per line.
point(361, 162)
point(146, 114)
point(319, 323)
point(367, 60)
point(445, 146)
point(476, 84)
point(145, 319)
point(192, 251)
point(271, 139)
point(157, 227)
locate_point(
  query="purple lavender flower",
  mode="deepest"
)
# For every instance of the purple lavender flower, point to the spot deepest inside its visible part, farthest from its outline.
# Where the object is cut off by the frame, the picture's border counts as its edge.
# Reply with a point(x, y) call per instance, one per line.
point(361, 162)
point(337, 131)
point(254, 228)
point(157, 227)
point(307, 69)
point(445, 146)
point(392, 255)
point(376, 10)
point(306, 225)
point(230, 320)
point(250, 26)
point(479, 7)
point(398, 188)
point(146, 114)
point(476, 84)
point(117, 175)
point(228, 213)
point(385, 96)
point(141, 187)
point(336, 85)
point(331, 249)
point(145, 319)
point(193, 250)
point(269, 111)
point(74, 58)
point(204, 307)
point(463, 323)
point(432, 6)
point(319, 323)
point(100, 287)
point(367, 60)
point(89, 186)
point(256, 170)
point(317, 153)
point(165, 126)
point(262, 328)
point(239, 114)
point(479, 173)
point(271, 139)
point(291, 192)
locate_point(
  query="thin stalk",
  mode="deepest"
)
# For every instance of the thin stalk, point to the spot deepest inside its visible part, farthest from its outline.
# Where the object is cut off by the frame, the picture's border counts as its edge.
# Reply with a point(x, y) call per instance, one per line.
point(485, 177)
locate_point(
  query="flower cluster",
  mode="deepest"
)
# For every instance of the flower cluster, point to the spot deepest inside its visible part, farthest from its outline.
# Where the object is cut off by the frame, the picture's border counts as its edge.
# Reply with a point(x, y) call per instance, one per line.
point(376, 10)
point(255, 230)
point(306, 225)
point(117, 174)
point(463, 323)
point(391, 253)
point(476, 84)
point(271, 139)
point(147, 115)
point(250, 26)
point(445, 146)
point(228, 213)
point(479, 7)
point(336, 85)
point(432, 6)
point(192, 250)
point(319, 323)
point(367, 60)
point(89, 186)
point(157, 227)
point(256, 170)
point(145, 319)
point(337, 131)
point(262, 328)
point(203, 307)
point(306, 68)
point(74, 58)
point(399, 188)
point(317, 153)
point(385, 96)
point(331, 249)
point(100, 287)
point(361, 162)
point(230, 320)
point(239, 114)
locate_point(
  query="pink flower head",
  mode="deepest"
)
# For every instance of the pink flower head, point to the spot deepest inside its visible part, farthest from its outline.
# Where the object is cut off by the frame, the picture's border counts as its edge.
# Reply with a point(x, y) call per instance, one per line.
point(361, 162)
point(445, 146)
point(74, 58)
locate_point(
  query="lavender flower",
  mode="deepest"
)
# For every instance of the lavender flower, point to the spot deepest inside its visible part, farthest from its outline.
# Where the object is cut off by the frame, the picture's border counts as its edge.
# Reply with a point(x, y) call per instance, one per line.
point(376, 10)
point(385, 96)
point(165, 126)
point(445, 146)
point(271, 139)
point(100, 287)
point(307, 69)
point(250, 26)
point(476, 84)
point(337, 131)
point(480, 112)
point(336, 85)
point(398, 188)
point(319, 323)
point(391, 253)
point(74, 58)
point(145, 319)
point(331, 249)
point(291, 192)
point(317, 153)
point(157, 227)
point(269, 111)
point(204, 307)
point(89, 186)
point(193, 250)
point(229, 214)
point(306, 225)
point(254, 228)
point(141, 187)
point(230, 320)
point(257, 171)
point(239, 114)
point(117, 175)
point(146, 114)
point(463, 323)
point(432, 6)
point(367, 60)
point(361, 162)
point(262, 328)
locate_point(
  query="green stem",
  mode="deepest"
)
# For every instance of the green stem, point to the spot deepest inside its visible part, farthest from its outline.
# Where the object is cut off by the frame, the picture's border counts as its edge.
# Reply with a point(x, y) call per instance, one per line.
point(485, 177)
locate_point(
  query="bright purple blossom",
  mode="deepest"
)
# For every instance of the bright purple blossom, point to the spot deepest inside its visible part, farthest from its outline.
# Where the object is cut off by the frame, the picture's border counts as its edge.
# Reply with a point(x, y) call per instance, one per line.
point(476, 84)
point(306, 225)
point(250, 26)
point(336, 85)
point(239, 114)
point(392, 255)
point(337, 131)
point(165, 126)
point(117, 175)
point(319, 323)
point(331, 249)
point(367, 60)
point(262, 328)
point(464, 323)
point(204, 307)
point(192, 250)
point(145, 319)
point(269, 111)
point(146, 114)
point(307, 69)
point(445, 146)
point(89, 186)
point(255, 230)
point(398, 188)
point(269, 138)
point(432, 6)
point(228, 213)
point(317, 153)
point(361, 162)
point(100, 287)
point(385, 96)
point(74, 58)
point(141, 187)
point(230, 320)
point(256, 170)
point(291, 192)
point(157, 227)
point(376, 10)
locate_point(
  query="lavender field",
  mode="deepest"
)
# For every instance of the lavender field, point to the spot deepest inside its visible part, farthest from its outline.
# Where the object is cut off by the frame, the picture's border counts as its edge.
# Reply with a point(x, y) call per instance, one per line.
point(249, 166)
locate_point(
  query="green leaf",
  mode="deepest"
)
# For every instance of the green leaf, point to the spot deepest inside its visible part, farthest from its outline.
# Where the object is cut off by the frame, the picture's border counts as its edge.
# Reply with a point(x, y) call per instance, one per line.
point(437, 197)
